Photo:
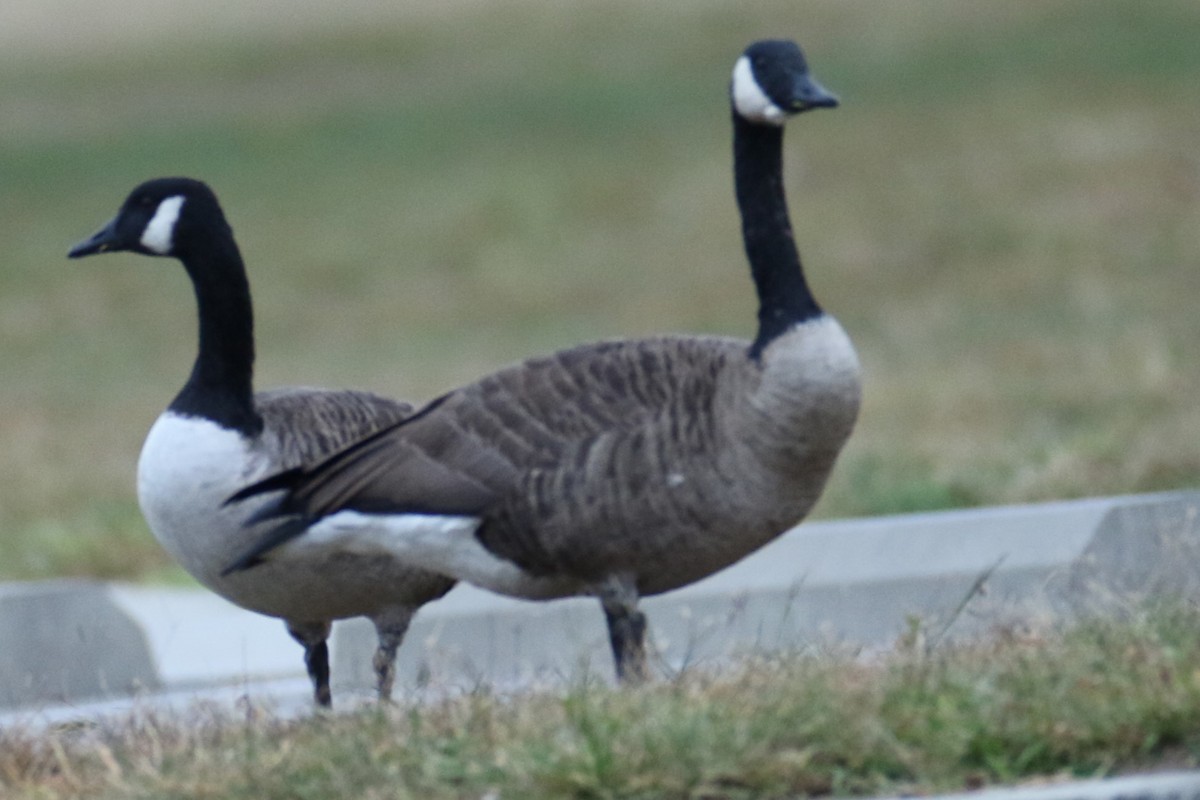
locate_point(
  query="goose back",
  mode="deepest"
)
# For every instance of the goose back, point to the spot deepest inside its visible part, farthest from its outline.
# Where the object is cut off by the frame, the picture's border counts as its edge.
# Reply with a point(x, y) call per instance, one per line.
point(303, 425)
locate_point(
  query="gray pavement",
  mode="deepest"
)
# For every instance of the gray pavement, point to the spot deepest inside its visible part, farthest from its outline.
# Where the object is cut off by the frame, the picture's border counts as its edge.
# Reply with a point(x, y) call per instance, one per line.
point(85, 648)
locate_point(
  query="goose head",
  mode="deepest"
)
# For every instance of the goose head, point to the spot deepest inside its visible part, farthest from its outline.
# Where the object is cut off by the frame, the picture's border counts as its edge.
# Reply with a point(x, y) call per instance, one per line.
point(161, 217)
point(771, 83)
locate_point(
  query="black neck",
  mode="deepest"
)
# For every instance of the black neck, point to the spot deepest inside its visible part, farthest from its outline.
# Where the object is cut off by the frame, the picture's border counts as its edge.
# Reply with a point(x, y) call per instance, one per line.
point(783, 295)
point(220, 386)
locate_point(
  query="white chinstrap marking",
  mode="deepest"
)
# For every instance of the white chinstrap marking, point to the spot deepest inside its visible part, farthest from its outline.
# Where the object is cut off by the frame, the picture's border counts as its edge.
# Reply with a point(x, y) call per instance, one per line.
point(749, 98)
point(159, 236)
point(439, 543)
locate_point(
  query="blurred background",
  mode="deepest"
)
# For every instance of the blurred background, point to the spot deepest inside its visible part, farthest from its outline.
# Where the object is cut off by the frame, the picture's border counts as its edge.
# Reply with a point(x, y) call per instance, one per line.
point(1004, 213)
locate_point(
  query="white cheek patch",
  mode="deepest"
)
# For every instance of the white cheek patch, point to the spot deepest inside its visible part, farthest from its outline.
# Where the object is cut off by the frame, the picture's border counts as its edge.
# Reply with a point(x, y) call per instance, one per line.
point(750, 100)
point(159, 235)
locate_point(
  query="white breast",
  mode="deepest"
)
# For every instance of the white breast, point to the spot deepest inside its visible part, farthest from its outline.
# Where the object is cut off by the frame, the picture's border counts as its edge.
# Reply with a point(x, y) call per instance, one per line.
point(817, 351)
point(810, 389)
point(188, 468)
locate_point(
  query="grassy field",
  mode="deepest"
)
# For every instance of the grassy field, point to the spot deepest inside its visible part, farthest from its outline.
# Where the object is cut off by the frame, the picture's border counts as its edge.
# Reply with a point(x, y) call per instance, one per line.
point(1005, 214)
point(1101, 699)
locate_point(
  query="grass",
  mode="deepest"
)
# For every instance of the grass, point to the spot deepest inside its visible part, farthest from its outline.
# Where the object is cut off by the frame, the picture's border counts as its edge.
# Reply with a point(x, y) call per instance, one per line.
point(1098, 699)
point(1003, 213)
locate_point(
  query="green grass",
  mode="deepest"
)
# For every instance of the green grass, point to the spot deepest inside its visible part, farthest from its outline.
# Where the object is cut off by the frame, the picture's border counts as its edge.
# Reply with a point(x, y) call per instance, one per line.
point(1098, 699)
point(1004, 214)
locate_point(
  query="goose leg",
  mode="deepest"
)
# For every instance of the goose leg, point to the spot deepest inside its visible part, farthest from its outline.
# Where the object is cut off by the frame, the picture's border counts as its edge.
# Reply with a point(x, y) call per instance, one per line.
point(390, 627)
point(626, 629)
point(313, 635)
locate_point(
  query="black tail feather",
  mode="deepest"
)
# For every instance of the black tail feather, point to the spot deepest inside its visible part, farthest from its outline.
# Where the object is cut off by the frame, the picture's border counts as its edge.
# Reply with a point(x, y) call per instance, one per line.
point(270, 510)
point(254, 555)
point(280, 481)
point(290, 510)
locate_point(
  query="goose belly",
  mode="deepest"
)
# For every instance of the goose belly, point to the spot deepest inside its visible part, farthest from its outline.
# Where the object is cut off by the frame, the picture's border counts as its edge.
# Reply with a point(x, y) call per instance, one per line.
point(678, 555)
point(696, 522)
point(720, 522)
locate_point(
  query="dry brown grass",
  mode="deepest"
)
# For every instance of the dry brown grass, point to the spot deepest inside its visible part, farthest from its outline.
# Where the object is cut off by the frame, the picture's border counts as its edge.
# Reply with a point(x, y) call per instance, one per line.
point(1099, 699)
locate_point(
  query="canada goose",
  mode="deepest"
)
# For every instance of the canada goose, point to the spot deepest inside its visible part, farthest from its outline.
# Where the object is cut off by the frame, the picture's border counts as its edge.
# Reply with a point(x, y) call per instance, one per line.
point(619, 469)
point(216, 437)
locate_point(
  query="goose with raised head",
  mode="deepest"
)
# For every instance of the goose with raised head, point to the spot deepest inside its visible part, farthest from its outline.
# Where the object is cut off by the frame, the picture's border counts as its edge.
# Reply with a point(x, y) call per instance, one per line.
point(217, 436)
point(620, 469)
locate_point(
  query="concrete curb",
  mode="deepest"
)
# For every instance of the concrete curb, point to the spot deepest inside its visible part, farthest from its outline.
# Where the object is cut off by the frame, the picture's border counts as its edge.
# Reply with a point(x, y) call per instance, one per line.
point(1160, 786)
point(861, 582)
point(63, 640)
